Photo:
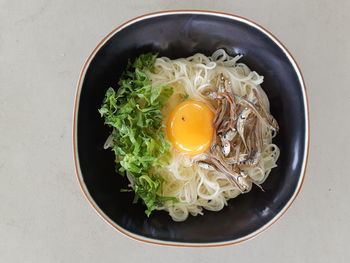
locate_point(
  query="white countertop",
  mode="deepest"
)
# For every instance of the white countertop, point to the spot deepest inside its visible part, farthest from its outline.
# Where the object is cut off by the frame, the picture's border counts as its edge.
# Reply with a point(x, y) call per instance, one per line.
point(44, 216)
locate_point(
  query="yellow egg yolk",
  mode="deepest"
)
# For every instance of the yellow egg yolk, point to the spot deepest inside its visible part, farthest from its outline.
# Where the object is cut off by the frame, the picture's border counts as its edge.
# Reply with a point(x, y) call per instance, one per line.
point(190, 127)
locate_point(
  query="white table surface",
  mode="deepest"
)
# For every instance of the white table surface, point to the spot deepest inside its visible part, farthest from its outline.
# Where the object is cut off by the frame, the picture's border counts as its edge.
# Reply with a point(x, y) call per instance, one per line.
point(44, 216)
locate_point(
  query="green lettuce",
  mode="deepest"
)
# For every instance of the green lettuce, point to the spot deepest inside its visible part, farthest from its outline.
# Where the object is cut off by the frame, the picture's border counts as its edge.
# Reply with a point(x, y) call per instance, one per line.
point(139, 143)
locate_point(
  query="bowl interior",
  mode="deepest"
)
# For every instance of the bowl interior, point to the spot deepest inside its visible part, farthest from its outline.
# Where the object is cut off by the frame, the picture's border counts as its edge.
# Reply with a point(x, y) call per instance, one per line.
point(181, 35)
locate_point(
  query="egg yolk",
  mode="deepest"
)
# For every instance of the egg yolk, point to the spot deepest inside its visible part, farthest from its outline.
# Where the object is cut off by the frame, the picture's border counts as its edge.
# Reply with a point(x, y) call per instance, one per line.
point(190, 127)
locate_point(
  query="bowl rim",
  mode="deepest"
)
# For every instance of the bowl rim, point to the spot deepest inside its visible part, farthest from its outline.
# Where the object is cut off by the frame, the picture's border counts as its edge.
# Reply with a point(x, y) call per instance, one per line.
point(75, 118)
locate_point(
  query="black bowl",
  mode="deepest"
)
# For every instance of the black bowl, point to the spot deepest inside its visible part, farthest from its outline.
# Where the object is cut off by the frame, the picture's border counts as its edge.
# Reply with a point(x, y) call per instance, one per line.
point(180, 34)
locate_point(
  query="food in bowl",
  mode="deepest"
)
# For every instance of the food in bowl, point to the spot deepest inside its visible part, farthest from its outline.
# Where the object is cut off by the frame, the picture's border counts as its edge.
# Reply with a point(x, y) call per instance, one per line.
point(190, 133)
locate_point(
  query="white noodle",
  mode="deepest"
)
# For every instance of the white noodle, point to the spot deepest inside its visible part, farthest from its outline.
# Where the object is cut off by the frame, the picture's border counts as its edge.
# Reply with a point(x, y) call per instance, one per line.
point(197, 188)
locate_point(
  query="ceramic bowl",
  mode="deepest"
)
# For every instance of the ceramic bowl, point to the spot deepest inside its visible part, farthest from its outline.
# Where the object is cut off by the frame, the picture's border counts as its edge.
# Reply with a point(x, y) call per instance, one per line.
point(178, 34)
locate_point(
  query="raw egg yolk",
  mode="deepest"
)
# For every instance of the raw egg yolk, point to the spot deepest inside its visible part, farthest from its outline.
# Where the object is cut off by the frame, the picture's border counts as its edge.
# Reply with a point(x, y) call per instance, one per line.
point(190, 127)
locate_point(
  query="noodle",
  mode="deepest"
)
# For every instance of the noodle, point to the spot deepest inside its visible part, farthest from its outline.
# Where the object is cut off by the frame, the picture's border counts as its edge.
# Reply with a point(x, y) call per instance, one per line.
point(197, 188)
